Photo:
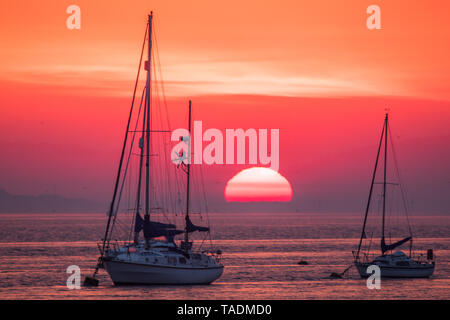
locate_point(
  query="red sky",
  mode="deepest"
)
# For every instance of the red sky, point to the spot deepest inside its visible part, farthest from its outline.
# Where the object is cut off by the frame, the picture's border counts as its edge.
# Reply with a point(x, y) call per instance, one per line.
point(310, 68)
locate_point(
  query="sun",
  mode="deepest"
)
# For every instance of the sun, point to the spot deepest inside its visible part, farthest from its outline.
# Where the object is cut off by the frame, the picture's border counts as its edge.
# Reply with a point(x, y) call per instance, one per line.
point(258, 184)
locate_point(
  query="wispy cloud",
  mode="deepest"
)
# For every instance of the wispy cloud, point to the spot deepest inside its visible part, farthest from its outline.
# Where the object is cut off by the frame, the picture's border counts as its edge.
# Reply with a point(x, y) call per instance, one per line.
point(212, 77)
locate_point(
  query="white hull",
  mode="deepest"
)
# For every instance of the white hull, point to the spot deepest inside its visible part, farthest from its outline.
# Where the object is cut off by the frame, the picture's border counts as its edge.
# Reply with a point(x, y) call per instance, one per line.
point(135, 273)
point(397, 272)
point(397, 265)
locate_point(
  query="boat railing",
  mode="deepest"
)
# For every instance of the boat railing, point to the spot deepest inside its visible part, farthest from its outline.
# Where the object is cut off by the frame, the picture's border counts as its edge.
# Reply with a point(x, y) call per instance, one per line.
point(112, 245)
point(419, 258)
point(115, 245)
point(217, 255)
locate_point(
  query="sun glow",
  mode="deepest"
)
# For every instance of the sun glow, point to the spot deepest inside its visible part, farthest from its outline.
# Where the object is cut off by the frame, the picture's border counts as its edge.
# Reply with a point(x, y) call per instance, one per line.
point(258, 184)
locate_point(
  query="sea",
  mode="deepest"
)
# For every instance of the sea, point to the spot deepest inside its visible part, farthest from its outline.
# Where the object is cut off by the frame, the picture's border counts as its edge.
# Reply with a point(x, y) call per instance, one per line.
point(260, 252)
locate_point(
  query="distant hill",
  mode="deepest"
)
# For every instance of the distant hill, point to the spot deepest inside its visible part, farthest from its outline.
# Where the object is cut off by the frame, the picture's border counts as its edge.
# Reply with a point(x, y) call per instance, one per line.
point(11, 203)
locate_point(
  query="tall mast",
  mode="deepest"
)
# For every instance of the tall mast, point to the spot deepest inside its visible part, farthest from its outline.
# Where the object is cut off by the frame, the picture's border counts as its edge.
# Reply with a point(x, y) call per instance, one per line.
point(384, 181)
point(148, 96)
point(186, 234)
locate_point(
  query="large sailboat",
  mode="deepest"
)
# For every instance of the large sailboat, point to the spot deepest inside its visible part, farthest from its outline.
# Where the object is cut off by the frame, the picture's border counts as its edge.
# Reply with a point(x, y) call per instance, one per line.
point(392, 264)
point(158, 258)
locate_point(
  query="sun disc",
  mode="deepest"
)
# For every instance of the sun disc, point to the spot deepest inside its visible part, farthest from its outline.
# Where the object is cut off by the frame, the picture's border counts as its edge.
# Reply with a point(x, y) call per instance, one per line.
point(258, 184)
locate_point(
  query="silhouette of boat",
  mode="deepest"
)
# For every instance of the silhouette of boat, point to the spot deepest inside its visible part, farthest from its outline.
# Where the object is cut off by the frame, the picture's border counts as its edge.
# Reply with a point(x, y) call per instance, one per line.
point(392, 264)
point(152, 260)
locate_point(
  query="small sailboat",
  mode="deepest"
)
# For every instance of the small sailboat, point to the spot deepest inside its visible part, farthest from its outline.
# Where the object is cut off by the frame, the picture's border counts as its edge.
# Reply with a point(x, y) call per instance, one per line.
point(158, 258)
point(392, 264)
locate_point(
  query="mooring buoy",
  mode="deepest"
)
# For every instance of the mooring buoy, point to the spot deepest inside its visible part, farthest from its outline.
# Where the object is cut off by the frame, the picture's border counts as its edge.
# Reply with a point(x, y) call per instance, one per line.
point(90, 281)
point(335, 275)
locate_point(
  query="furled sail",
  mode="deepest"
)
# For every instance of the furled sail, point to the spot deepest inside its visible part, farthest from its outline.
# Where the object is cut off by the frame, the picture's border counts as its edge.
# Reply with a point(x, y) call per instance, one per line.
point(190, 227)
point(154, 229)
point(171, 233)
point(386, 247)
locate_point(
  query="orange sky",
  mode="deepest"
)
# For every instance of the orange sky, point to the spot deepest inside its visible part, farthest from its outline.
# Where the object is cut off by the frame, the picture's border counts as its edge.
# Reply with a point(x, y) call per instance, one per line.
point(275, 48)
point(310, 68)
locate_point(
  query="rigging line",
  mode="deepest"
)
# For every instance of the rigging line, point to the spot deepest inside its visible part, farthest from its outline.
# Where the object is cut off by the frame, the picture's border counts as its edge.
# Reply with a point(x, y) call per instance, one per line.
point(204, 190)
point(206, 206)
point(139, 176)
point(201, 244)
point(155, 168)
point(148, 124)
point(179, 184)
point(105, 239)
point(122, 226)
point(196, 190)
point(210, 237)
point(129, 193)
point(180, 180)
point(169, 168)
point(169, 197)
point(160, 146)
point(141, 161)
point(384, 175)
point(402, 191)
point(370, 243)
point(127, 164)
point(161, 78)
point(165, 196)
point(371, 190)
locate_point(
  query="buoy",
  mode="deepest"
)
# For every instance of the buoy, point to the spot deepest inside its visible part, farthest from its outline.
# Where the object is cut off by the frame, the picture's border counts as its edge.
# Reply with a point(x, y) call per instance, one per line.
point(90, 281)
point(335, 275)
point(303, 263)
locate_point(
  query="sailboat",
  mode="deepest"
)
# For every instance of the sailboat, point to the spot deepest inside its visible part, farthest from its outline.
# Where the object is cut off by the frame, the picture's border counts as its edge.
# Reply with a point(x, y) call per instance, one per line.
point(392, 264)
point(157, 258)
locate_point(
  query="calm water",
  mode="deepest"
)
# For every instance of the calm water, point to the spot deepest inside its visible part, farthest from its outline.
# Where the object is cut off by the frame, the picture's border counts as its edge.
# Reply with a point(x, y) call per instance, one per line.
point(260, 253)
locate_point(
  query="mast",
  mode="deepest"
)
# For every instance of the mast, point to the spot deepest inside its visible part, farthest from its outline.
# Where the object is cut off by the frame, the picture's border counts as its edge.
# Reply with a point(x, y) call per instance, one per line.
point(370, 192)
point(141, 161)
point(384, 181)
point(186, 233)
point(148, 101)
